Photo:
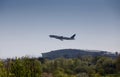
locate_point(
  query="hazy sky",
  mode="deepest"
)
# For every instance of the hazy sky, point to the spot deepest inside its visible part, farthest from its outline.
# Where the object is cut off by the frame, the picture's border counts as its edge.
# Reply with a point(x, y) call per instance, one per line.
point(26, 24)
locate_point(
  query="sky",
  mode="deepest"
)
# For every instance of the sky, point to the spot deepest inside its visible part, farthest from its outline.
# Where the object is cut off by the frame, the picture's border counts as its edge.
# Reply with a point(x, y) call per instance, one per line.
point(25, 26)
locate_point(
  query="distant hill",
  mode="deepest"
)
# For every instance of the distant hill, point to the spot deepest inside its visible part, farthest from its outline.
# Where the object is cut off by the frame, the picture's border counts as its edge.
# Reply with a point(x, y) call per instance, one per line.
point(75, 53)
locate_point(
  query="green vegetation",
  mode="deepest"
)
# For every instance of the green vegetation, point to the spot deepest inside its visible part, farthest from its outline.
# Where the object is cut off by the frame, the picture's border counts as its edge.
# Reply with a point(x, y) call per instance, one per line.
point(86, 66)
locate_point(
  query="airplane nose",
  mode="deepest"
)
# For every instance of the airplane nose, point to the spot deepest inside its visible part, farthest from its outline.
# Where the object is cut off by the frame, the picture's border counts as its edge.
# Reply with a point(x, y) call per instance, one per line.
point(50, 35)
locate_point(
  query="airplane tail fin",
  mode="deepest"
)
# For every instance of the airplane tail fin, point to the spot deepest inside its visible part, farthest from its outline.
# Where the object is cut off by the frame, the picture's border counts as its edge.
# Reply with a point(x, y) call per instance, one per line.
point(73, 36)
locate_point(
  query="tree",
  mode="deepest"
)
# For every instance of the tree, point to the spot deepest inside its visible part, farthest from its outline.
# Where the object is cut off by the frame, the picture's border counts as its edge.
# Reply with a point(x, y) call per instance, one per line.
point(3, 72)
point(82, 75)
point(59, 72)
point(118, 64)
point(17, 68)
point(32, 67)
point(105, 65)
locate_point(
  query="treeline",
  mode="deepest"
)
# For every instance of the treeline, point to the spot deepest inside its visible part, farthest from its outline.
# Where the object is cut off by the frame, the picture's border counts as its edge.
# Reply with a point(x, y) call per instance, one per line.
point(85, 66)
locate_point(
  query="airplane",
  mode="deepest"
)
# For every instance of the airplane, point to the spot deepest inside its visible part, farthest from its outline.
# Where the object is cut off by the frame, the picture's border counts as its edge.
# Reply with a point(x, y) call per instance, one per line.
point(63, 38)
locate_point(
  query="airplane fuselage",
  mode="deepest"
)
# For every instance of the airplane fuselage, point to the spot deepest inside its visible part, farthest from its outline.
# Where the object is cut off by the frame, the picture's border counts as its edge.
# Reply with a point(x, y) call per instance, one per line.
point(62, 38)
